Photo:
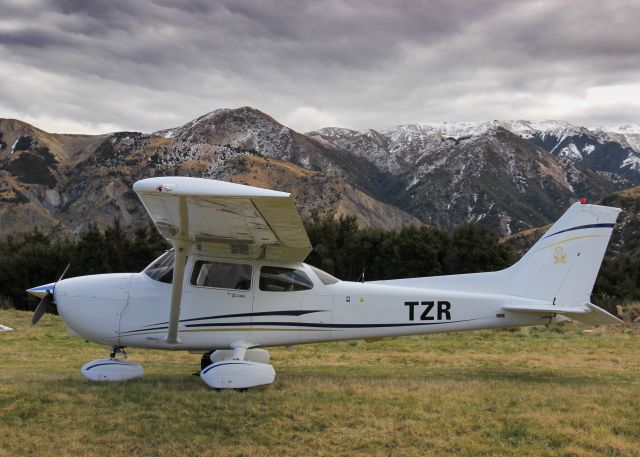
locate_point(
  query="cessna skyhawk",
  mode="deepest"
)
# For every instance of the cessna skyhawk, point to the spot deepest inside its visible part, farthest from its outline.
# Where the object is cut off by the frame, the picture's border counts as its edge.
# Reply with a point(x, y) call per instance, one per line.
point(235, 283)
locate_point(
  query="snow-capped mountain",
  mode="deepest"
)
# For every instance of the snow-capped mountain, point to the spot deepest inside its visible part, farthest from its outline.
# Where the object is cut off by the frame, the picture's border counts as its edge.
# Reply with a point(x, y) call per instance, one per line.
point(587, 162)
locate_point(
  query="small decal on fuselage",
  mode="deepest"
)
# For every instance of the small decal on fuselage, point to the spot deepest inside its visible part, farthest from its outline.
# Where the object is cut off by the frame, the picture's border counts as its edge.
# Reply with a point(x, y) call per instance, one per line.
point(429, 310)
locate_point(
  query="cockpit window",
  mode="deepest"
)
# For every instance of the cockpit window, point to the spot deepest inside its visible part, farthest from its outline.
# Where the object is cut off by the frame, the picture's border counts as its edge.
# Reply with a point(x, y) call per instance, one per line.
point(221, 275)
point(278, 279)
point(161, 269)
point(323, 276)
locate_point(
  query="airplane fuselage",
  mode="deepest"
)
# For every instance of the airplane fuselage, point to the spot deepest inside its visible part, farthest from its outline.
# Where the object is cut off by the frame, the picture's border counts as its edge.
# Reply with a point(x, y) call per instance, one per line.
point(130, 309)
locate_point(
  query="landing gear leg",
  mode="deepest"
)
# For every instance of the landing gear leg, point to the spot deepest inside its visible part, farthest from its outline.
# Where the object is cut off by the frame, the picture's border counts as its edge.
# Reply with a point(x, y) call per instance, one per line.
point(117, 350)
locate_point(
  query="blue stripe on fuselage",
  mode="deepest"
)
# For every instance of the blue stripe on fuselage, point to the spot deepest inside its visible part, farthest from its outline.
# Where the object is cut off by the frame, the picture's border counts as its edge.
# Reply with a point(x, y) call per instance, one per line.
point(304, 325)
point(261, 313)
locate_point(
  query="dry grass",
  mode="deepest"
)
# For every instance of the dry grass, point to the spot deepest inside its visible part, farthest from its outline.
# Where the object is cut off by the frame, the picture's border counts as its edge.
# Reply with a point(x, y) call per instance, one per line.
point(556, 391)
point(630, 313)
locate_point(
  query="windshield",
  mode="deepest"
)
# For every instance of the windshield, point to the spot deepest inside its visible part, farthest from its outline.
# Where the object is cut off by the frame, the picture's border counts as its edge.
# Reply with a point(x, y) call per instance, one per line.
point(161, 269)
point(323, 276)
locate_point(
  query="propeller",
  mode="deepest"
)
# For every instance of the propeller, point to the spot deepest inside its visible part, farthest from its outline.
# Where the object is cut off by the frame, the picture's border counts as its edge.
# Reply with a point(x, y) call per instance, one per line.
point(47, 300)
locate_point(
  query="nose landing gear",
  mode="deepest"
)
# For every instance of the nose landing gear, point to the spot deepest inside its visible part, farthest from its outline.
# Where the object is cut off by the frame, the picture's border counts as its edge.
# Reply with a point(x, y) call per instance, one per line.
point(118, 350)
point(112, 369)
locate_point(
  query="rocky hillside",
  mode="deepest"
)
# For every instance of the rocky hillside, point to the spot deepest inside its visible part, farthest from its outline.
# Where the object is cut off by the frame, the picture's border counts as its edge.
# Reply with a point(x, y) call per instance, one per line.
point(507, 175)
point(62, 183)
point(626, 236)
point(625, 239)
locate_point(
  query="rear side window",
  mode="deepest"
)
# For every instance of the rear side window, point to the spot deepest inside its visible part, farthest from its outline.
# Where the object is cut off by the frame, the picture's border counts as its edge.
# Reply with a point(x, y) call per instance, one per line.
point(221, 275)
point(278, 279)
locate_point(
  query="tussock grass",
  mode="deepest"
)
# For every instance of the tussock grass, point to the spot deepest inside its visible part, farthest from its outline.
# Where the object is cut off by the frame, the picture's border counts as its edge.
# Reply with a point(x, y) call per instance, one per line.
point(545, 391)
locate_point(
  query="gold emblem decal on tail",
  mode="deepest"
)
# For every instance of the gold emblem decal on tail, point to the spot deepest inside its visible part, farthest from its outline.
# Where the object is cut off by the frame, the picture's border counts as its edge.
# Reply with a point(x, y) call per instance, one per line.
point(559, 256)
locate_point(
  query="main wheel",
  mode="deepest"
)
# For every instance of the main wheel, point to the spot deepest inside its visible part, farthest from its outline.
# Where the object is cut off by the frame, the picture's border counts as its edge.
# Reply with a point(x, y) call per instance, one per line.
point(205, 361)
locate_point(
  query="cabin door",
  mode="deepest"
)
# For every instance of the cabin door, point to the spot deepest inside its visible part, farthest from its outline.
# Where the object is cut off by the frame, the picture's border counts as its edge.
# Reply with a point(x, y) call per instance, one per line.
point(218, 298)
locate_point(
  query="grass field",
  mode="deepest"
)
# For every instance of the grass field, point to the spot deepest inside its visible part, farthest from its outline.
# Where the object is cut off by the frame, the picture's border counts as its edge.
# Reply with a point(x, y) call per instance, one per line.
point(557, 391)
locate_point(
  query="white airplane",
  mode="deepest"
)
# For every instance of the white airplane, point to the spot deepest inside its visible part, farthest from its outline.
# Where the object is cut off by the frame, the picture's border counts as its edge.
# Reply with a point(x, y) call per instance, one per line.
point(235, 283)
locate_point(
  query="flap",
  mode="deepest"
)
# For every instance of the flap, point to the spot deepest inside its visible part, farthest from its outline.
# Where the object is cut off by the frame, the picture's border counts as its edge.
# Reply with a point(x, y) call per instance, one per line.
point(226, 218)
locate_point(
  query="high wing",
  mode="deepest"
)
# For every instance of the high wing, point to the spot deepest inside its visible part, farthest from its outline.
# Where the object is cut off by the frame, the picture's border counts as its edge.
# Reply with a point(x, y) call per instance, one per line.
point(224, 218)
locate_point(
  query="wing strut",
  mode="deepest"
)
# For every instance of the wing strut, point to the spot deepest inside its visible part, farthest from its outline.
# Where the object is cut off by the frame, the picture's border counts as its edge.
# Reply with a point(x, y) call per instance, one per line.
point(181, 244)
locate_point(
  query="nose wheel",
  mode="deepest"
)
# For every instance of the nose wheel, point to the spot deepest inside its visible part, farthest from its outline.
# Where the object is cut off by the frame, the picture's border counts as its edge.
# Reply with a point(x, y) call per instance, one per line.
point(113, 368)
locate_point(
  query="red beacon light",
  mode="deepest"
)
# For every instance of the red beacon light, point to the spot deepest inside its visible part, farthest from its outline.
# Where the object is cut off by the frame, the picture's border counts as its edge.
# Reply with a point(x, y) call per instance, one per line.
point(583, 200)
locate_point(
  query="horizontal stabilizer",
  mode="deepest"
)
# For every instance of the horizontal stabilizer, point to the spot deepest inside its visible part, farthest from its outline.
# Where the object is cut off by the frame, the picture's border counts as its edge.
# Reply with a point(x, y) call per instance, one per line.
point(589, 314)
point(546, 309)
point(597, 316)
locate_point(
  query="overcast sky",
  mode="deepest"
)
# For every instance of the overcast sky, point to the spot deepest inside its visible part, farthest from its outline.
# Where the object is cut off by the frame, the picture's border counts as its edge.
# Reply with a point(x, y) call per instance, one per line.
point(98, 66)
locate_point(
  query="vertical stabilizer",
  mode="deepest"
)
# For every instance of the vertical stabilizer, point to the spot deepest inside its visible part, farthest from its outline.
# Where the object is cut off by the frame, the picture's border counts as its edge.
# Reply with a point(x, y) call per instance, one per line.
point(562, 266)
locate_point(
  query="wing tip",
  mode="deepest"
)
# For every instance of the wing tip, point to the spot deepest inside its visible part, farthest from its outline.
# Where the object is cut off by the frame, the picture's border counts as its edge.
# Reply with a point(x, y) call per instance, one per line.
point(185, 185)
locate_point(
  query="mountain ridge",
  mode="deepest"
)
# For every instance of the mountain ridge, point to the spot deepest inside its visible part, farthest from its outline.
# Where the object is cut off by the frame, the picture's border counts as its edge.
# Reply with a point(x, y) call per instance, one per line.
point(403, 175)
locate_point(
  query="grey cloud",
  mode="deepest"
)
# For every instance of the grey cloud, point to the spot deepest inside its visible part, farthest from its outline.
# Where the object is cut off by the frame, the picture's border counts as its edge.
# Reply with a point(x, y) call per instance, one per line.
point(149, 64)
point(33, 37)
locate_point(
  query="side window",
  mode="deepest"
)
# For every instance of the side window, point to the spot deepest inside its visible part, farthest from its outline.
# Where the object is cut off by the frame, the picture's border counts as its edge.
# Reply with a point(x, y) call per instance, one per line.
point(277, 279)
point(221, 275)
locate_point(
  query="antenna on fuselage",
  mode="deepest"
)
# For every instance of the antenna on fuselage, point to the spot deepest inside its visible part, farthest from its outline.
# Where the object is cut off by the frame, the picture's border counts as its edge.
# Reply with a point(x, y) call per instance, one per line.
point(364, 264)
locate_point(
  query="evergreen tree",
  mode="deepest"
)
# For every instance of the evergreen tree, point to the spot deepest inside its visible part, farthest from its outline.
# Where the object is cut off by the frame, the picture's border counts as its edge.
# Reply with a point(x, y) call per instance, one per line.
point(474, 248)
point(618, 281)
